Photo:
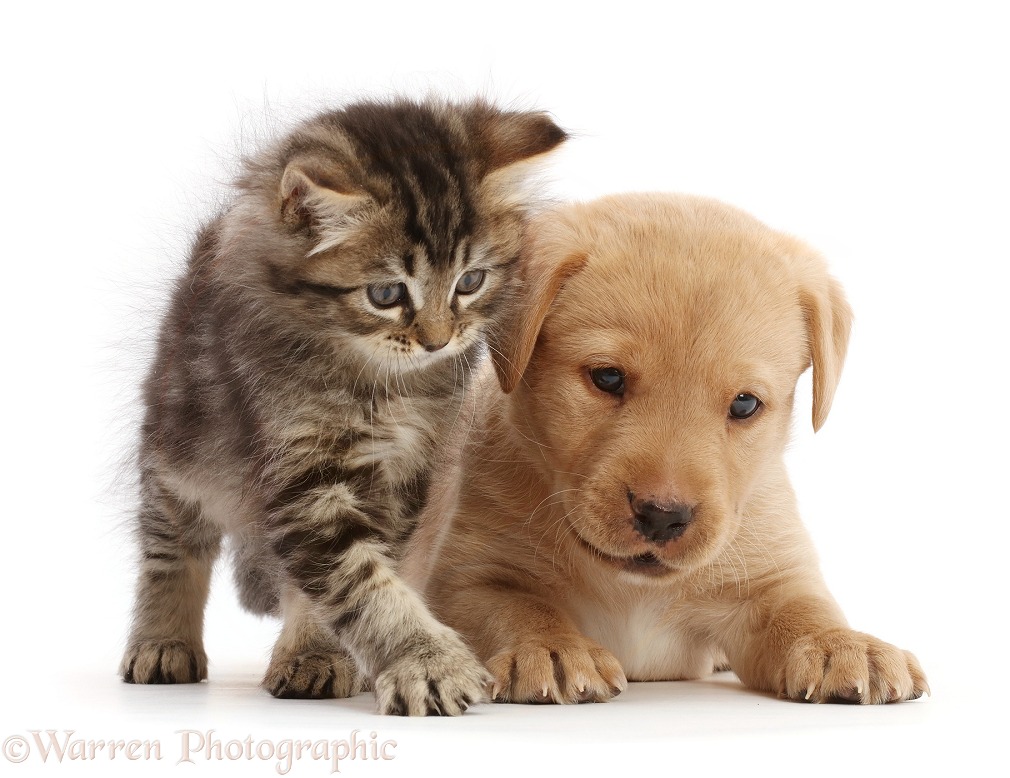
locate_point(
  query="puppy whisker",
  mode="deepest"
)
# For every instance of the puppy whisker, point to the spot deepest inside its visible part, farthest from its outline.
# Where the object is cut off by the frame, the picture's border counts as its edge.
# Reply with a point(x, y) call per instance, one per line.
point(548, 498)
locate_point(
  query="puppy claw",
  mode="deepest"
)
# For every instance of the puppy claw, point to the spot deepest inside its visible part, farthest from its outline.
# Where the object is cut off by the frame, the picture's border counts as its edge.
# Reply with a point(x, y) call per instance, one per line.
point(844, 666)
point(556, 669)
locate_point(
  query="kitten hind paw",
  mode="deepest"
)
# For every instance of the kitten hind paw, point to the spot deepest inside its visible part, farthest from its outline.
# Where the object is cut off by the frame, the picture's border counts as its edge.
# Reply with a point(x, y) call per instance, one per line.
point(163, 661)
point(313, 676)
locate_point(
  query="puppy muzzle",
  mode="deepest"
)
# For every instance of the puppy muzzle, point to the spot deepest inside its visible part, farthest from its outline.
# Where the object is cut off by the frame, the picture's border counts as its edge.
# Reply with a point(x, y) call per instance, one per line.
point(659, 522)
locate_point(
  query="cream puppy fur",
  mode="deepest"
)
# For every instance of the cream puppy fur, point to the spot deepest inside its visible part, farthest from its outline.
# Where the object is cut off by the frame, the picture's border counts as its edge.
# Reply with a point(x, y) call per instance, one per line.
point(625, 511)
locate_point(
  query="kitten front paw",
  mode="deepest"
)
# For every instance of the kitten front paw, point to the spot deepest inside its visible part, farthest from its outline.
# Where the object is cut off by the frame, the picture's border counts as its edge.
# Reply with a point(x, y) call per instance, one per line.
point(556, 668)
point(163, 661)
point(437, 676)
point(846, 666)
point(313, 676)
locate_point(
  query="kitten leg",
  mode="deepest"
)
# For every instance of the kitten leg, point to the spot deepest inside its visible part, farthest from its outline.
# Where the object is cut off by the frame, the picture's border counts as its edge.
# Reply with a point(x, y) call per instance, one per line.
point(335, 543)
point(178, 551)
point(308, 662)
point(420, 666)
point(256, 580)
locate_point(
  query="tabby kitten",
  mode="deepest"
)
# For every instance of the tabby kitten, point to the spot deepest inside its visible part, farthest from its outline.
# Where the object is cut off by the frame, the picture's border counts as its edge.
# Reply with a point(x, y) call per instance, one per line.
point(311, 363)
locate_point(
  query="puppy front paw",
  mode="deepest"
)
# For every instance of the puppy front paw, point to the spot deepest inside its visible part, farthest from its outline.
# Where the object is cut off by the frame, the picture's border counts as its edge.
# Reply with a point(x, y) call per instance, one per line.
point(846, 666)
point(437, 675)
point(560, 669)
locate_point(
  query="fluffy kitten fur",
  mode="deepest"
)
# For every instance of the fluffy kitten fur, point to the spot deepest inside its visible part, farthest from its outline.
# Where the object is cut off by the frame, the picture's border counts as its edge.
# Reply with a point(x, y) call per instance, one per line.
point(293, 409)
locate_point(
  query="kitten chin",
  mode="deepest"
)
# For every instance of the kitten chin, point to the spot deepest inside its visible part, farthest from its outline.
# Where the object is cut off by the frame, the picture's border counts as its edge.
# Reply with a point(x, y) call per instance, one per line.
point(308, 374)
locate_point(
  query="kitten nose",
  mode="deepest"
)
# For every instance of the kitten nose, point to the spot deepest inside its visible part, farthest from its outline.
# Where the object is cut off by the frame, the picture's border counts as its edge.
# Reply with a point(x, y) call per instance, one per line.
point(434, 330)
point(435, 346)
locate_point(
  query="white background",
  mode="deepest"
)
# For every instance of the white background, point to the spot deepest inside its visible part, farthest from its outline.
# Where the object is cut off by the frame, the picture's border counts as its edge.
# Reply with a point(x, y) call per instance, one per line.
point(875, 131)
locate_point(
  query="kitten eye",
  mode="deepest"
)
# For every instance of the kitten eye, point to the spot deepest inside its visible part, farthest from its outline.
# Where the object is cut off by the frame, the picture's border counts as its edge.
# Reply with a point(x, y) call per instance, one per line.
point(388, 295)
point(608, 379)
point(744, 406)
point(470, 282)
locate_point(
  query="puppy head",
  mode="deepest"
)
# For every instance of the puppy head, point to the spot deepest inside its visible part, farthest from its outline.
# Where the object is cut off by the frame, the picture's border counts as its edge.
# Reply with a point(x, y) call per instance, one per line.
point(656, 366)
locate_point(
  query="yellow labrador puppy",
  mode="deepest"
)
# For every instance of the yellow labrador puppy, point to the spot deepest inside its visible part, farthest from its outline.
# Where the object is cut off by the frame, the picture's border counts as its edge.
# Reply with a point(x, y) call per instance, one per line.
point(625, 512)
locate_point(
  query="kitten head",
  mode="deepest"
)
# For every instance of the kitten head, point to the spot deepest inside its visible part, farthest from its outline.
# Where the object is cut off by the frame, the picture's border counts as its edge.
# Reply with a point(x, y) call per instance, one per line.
point(401, 223)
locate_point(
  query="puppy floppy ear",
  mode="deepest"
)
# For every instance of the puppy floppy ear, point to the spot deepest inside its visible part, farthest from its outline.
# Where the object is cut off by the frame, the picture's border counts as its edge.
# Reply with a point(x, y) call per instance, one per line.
point(545, 269)
point(829, 320)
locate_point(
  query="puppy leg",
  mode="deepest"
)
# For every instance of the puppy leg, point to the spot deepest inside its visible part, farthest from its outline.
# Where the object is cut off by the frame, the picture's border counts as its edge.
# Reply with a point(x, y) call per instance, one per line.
point(800, 647)
point(307, 662)
point(535, 653)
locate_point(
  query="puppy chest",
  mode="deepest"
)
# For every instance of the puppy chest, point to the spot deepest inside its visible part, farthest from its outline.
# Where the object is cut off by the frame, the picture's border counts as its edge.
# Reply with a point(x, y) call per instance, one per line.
point(649, 644)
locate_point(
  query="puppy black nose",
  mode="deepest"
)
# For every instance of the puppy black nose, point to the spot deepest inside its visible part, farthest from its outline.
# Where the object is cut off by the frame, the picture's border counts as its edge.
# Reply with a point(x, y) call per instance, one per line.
point(660, 522)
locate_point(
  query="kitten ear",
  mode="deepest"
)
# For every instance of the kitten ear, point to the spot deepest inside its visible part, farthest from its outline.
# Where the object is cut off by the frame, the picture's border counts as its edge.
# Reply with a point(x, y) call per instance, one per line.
point(546, 267)
point(317, 192)
point(518, 136)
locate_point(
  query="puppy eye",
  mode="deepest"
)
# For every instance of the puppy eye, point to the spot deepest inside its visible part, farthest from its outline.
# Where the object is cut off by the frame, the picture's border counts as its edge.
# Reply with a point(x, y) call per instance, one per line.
point(608, 379)
point(386, 295)
point(744, 406)
point(470, 282)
